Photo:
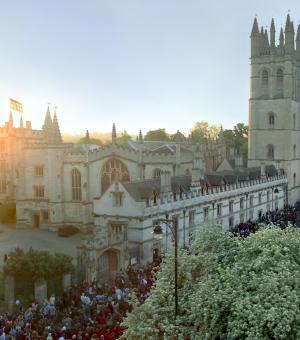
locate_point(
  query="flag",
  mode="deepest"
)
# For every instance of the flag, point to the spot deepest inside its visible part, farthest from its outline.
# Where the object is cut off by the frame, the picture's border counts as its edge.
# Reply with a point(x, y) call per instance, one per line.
point(15, 105)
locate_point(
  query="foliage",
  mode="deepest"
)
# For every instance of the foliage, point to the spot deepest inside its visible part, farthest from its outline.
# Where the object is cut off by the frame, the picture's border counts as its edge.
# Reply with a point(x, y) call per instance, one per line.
point(94, 141)
point(36, 264)
point(203, 132)
point(229, 288)
point(237, 139)
point(156, 135)
point(124, 137)
point(177, 137)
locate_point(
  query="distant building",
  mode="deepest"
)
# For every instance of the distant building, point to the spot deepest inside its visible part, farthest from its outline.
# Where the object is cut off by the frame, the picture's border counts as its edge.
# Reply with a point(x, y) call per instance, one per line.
point(118, 191)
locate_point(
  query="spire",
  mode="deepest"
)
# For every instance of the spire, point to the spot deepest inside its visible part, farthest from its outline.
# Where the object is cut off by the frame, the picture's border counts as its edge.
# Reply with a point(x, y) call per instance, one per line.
point(289, 35)
point(21, 122)
point(87, 137)
point(267, 45)
point(255, 31)
point(281, 38)
point(114, 134)
point(288, 23)
point(298, 33)
point(11, 120)
point(47, 127)
point(272, 34)
point(262, 40)
point(48, 120)
point(298, 42)
point(140, 137)
point(56, 136)
point(255, 39)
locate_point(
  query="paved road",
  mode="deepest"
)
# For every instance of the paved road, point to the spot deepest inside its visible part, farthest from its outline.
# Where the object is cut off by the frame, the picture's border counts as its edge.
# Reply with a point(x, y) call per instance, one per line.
point(10, 238)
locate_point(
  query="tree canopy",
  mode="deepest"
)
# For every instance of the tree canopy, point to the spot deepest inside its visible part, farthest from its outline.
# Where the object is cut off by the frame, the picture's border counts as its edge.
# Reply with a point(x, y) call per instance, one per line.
point(37, 264)
point(156, 135)
point(229, 288)
point(203, 132)
point(124, 137)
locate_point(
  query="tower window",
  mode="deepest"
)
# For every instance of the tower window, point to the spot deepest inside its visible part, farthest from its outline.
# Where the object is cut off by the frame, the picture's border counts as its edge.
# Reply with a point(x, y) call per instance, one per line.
point(294, 151)
point(279, 82)
point(294, 179)
point(270, 151)
point(271, 119)
point(265, 78)
point(76, 185)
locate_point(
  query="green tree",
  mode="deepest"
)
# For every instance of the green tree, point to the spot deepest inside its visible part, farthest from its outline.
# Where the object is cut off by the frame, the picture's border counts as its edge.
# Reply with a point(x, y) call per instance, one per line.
point(95, 141)
point(203, 132)
point(36, 264)
point(124, 137)
point(177, 137)
point(229, 288)
point(156, 135)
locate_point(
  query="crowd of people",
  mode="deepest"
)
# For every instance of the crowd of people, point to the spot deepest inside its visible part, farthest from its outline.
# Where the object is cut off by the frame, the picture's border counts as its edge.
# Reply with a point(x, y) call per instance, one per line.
point(289, 215)
point(88, 311)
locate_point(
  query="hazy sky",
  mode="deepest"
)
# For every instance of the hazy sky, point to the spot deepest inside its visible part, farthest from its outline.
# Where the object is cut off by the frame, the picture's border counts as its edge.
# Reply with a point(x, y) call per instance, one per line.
point(141, 64)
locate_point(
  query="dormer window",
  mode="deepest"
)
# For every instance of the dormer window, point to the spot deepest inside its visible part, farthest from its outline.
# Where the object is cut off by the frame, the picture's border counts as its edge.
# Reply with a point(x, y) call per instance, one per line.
point(117, 199)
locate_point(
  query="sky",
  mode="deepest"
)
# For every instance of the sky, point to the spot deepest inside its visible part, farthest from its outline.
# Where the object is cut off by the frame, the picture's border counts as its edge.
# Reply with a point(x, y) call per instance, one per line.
point(143, 64)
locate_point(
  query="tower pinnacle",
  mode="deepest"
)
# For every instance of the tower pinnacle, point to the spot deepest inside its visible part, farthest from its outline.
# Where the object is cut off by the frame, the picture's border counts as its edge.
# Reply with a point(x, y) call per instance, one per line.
point(272, 34)
point(114, 134)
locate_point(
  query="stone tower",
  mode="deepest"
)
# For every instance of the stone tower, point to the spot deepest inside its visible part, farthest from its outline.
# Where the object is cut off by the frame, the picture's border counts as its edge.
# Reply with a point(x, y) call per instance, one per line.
point(274, 105)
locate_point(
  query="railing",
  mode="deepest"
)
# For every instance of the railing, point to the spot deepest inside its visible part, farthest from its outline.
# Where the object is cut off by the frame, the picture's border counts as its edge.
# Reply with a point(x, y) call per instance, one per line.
point(198, 191)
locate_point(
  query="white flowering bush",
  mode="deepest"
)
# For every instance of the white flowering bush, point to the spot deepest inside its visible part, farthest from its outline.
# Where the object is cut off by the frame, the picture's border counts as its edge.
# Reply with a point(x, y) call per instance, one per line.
point(229, 288)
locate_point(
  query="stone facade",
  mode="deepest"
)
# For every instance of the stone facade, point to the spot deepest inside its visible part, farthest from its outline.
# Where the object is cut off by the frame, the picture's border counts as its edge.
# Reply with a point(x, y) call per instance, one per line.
point(274, 105)
point(125, 214)
point(54, 183)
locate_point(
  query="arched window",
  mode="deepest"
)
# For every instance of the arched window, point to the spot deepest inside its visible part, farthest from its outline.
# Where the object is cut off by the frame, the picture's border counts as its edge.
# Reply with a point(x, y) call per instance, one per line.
point(279, 82)
point(270, 151)
point(76, 185)
point(156, 173)
point(294, 151)
point(265, 83)
point(271, 119)
point(113, 170)
point(265, 78)
point(294, 179)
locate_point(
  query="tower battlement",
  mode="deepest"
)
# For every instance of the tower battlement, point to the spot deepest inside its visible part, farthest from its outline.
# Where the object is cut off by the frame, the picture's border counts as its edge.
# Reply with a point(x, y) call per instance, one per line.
point(263, 43)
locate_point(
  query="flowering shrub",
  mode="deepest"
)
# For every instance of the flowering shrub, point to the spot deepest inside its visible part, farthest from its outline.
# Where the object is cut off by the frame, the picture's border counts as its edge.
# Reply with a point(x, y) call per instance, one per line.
point(229, 288)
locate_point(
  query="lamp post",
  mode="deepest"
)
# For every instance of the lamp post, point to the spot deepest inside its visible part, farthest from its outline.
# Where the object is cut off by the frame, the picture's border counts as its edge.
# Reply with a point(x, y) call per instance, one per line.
point(157, 232)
